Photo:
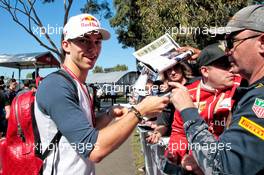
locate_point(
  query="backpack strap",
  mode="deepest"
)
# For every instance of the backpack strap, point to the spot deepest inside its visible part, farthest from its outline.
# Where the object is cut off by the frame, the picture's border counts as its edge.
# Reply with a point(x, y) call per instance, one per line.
point(54, 143)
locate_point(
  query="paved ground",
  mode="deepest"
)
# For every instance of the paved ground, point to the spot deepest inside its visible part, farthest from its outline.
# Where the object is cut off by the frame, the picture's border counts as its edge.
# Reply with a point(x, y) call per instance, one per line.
point(119, 162)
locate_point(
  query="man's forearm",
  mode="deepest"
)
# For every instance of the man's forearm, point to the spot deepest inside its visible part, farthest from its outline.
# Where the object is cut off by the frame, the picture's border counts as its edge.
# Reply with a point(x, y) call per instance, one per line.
point(102, 120)
point(111, 137)
point(201, 141)
point(7, 109)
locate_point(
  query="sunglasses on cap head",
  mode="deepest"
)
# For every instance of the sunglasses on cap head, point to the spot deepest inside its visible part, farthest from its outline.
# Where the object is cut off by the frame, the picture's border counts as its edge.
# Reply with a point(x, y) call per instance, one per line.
point(230, 40)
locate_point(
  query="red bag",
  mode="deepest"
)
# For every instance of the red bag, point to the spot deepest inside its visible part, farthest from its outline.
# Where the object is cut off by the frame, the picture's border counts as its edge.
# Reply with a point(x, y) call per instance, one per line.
point(19, 156)
point(2, 146)
point(21, 150)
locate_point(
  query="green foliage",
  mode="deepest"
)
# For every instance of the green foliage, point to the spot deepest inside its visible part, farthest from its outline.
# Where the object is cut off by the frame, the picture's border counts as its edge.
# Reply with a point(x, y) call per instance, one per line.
point(116, 68)
point(98, 69)
point(140, 22)
point(128, 23)
point(120, 67)
point(29, 76)
point(137, 152)
point(94, 7)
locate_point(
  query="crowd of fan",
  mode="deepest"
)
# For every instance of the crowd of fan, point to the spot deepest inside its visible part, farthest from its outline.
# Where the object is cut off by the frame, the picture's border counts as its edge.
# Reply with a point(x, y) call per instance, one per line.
point(211, 91)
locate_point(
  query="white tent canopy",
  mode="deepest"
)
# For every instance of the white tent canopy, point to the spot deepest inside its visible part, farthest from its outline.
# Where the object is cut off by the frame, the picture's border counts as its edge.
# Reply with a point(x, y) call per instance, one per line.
point(29, 61)
point(119, 77)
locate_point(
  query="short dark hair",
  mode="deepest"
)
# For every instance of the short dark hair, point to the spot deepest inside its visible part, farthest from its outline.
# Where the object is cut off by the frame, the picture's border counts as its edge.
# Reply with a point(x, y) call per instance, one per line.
point(62, 55)
point(26, 83)
point(11, 80)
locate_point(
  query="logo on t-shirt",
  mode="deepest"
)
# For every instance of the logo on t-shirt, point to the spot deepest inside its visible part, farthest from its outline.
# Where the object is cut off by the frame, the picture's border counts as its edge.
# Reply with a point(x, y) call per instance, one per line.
point(252, 127)
point(258, 107)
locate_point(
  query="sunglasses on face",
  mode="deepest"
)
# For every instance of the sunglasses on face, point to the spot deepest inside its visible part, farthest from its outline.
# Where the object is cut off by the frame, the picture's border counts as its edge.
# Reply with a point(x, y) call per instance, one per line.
point(230, 40)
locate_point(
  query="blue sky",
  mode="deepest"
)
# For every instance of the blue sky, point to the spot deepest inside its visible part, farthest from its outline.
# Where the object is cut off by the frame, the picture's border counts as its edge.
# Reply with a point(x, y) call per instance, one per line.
point(15, 40)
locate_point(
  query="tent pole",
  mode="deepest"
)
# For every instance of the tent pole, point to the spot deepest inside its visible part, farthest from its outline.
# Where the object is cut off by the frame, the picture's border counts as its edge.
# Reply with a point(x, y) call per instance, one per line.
point(36, 71)
point(19, 76)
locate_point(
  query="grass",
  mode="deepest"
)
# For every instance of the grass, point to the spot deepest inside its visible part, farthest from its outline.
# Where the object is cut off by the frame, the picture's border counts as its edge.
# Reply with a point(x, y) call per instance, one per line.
point(137, 153)
point(121, 100)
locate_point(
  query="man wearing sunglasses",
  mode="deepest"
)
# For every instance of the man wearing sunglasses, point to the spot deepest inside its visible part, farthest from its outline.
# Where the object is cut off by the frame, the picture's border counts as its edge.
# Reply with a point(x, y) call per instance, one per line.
point(245, 134)
point(85, 139)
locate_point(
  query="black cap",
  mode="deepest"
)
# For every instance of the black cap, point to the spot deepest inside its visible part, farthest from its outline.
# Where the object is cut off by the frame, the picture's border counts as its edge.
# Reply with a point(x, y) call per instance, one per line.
point(211, 53)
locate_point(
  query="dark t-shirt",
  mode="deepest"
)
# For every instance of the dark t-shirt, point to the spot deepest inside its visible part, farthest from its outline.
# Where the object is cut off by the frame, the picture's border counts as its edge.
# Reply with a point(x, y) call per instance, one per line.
point(166, 118)
point(10, 95)
point(3, 103)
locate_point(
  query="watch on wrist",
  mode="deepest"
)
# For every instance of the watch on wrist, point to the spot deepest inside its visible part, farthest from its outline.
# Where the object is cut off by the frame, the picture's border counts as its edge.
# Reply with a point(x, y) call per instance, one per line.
point(136, 112)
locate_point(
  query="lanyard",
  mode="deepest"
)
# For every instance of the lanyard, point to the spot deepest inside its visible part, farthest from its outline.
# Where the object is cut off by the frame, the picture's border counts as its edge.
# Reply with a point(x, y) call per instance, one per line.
point(85, 90)
point(198, 94)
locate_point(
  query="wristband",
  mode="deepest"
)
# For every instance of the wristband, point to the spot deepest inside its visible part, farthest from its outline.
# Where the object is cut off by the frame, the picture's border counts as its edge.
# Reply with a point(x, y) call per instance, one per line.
point(136, 112)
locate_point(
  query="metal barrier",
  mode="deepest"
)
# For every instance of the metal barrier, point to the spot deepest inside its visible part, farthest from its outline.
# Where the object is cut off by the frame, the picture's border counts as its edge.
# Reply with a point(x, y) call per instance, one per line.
point(155, 161)
point(153, 153)
point(145, 147)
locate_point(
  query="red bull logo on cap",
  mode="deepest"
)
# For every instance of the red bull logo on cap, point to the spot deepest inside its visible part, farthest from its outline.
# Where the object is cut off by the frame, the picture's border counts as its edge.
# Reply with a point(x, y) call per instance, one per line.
point(89, 21)
point(88, 18)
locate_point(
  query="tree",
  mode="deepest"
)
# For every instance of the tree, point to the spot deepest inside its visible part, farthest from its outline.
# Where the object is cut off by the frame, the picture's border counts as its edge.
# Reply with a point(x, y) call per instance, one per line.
point(139, 22)
point(29, 75)
point(98, 69)
point(121, 67)
point(118, 67)
point(25, 15)
point(94, 7)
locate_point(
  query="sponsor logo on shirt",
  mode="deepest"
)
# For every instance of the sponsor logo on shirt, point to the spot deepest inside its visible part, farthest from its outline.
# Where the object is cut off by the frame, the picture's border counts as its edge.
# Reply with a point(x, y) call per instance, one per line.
point(259, 85)
point(201, 106)
point(252, 127)
point(226, 103)
point(258, 107)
